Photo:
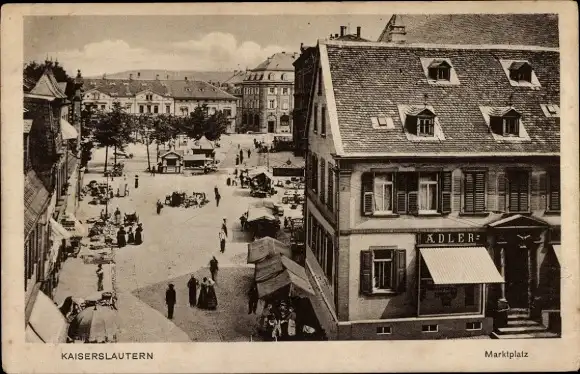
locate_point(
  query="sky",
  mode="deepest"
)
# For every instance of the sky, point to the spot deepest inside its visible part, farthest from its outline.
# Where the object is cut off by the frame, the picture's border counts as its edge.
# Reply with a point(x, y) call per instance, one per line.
point(108, 44)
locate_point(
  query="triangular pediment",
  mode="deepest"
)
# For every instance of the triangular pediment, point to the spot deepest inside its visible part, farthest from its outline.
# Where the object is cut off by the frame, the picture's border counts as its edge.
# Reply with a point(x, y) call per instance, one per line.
point(518, 220)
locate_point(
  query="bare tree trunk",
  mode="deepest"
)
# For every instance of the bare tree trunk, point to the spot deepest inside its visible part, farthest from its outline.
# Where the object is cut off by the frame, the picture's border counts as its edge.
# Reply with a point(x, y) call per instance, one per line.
point(157, 143)
point(148, 160)
point(115, 155)
point(106, 157)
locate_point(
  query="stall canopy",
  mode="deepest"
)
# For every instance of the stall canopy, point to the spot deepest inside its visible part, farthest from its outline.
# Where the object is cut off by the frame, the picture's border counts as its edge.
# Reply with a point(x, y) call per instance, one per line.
point(256, 214)
point(198, 157)
point(203, 143)
point(74, 226)
point(46, 323)
point(67, 130)
point(261, 248)
point(260, 171)
point(460, 265)
point(298, 286)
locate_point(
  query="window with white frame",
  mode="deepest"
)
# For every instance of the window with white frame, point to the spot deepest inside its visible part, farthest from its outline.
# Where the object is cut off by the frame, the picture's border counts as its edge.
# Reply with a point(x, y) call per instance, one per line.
point(141, 109)
point(428, 192)
point(284, 91)
point(167, 109)
point(425, 126)
point(383, 193)
point(430, 328)
point(271, 104)
point(285, 105)
point(473, 326)
point(272, 90)
point(383, 269)
point(148, 108)
point(384, 330)
point(511, 126)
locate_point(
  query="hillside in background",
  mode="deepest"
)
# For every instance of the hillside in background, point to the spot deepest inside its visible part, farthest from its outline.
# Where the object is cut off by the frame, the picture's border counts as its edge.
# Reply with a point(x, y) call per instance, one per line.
point(219, 76)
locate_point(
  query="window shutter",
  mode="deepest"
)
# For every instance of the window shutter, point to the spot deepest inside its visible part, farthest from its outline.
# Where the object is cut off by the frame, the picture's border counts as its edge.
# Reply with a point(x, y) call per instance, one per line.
point(469, 193)
point(322, 180)
point(413, 202)
point(366, 274)
point(496, 124)
point(501, 192)
point(524, 191)
point(445, 188)
point(536, 198)
point(400, 205)
point(367, 194)
point(411, 124)
point(480, 192)
point(513, 192)
point(457, 177)
point(491, 191)
point(401, 275)
point(555, 191)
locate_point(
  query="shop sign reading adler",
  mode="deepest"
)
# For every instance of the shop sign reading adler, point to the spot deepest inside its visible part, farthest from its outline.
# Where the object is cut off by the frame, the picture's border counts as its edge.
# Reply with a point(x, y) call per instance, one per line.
point(451, 238)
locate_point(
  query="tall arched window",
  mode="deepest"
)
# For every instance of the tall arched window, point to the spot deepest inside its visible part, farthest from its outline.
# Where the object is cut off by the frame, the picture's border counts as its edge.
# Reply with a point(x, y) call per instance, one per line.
point(284, 77)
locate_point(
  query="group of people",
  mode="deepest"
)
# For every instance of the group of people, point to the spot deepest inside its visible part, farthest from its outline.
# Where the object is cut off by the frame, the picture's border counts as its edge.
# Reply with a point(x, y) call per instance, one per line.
point(130, 237)
point(207, 298)
point(240, 156)
point(278, 321)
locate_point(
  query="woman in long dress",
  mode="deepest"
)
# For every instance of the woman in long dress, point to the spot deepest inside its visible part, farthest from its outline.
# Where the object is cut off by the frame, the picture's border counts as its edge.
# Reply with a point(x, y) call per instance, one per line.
point(139, 234)
point(202, 299)
point(211, 296)
point(121, 240)
point(130, 236)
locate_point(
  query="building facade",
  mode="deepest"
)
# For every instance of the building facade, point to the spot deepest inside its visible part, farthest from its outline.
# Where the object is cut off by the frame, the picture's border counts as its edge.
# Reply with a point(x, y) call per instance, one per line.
point(233, 86)
point(267, 95)
point(154, 97)
point(433, 192)
point(51, 187)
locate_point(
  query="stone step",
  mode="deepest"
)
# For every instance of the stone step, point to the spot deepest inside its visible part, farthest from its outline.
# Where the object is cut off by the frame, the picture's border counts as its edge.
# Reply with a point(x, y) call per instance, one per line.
point(535, 335)
point(521, 322)
point(516, 316)
point(521, 329)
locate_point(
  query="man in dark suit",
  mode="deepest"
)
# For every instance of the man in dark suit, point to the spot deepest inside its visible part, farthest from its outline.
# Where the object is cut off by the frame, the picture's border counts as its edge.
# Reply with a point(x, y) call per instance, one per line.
point(170, 299)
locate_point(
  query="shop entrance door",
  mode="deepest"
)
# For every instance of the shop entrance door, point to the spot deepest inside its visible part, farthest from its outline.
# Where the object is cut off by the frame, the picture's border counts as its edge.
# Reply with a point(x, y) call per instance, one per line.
point(516, 276)
point(271, 125)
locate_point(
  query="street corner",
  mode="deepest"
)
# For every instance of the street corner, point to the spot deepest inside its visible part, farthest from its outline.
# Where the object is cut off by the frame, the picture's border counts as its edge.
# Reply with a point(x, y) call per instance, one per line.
point(229, 322)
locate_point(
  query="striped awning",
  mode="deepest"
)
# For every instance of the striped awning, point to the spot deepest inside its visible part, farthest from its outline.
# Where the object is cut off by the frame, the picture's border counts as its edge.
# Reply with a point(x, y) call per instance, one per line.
point(46, 322)
point(67, 130)
point(460, 265)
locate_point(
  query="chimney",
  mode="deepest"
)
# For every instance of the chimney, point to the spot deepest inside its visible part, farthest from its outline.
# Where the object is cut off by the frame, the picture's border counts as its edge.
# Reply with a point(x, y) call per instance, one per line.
point(186, 78)
point(336, 35)
point(358, 31)
point(130, 77)
point(342, 30)
point(138, 74)
point(397, 33)
point(157, 77)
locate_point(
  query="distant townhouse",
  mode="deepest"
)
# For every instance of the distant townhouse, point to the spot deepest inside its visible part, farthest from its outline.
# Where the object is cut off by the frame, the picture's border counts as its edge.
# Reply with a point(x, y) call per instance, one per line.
point(154, 97)
point(304, 67)
point(433, 193)
point(233, 86)
point(268, 95)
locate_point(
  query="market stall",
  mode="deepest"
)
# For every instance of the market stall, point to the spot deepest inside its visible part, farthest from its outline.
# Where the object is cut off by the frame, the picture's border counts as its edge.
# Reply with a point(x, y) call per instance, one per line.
point(261, 222)
point(95, 324)
point(261, 248)
point(261, 183)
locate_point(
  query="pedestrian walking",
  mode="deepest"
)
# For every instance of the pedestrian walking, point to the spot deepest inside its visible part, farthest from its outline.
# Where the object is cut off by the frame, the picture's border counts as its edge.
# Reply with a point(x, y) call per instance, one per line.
point(241, 157)
point(159, 206)
point(100, 275)
point(249, 153)
point(136, 181)
point(170, 300)
point(237, 160)
point(192, 285)
point(225, 226)
point(117, 215)
point(213, 268)
point(235, 172)
point(217, 200)
point(222, 237)
point(253, 298)
point(121, 240)
point(216, 191)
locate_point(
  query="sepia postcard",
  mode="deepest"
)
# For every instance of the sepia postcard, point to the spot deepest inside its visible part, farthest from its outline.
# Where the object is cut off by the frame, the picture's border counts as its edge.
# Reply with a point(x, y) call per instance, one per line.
point(290, 187)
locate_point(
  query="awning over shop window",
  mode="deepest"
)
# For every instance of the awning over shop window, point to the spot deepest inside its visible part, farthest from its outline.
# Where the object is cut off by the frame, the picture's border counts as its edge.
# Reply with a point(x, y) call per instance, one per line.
point(58, 231)
point(74, 226)
point(67, 130)
point(261, 248)
point(460, 265)
point(558, 252)
point(46, 322)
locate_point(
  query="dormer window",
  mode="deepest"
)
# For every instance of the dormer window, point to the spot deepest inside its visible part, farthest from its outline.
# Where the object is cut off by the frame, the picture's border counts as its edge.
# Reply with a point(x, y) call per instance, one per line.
point(440, 70)
point(505, 122)
point(521, 71)
point(550, 110)
point(421, 122)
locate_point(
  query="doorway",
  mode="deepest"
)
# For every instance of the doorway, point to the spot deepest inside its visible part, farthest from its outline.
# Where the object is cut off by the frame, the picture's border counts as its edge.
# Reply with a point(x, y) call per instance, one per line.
point(516, 276)
point(271, 125)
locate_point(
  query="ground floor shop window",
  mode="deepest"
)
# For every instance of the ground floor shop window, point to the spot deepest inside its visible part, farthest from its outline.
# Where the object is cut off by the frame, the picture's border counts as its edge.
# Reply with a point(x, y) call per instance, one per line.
point(473, 326)
point(430, 328)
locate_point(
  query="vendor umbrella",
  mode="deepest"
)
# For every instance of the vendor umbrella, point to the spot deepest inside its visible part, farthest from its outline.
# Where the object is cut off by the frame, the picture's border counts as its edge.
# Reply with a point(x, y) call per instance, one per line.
point(95, 325)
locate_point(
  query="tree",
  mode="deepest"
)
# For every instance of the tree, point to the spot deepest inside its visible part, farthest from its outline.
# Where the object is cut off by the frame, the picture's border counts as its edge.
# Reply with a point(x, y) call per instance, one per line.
point(200, 123)
point(215, 125)
point(112, 129)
